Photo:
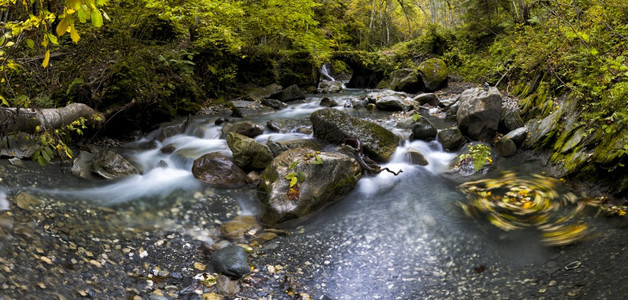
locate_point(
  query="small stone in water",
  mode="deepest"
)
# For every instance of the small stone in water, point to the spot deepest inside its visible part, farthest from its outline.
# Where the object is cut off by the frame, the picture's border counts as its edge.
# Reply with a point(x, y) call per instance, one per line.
point(199, 266)
point(46, 260)
point(552, 283)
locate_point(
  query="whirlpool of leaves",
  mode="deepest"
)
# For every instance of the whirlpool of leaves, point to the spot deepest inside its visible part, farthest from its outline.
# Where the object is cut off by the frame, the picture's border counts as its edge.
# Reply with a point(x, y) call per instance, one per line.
point(512, 202)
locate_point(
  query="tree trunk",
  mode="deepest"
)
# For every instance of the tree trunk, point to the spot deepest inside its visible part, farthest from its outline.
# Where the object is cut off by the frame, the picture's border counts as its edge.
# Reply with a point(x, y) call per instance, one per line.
point(27, 119)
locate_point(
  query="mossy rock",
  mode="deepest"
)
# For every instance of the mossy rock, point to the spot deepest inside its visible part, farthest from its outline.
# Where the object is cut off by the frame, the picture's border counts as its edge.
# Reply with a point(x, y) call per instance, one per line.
point(434, 73)
point(335, 126)
point(612, 147)
point(318, 185)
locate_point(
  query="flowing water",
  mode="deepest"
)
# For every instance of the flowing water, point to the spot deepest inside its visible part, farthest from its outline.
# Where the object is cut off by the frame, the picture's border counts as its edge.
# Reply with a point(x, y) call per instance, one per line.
point(393, 237)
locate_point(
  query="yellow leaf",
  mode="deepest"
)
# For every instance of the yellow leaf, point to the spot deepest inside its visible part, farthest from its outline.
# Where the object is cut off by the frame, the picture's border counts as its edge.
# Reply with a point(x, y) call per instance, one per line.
point(46, 59)
point(74, 34)
point(62, 28)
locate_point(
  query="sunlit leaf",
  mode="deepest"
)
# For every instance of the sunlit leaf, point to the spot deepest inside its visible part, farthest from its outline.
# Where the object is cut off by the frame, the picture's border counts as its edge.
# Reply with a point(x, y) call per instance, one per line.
point(46, 59)
point(62, 27)
point(96, 18)
point(74, 34)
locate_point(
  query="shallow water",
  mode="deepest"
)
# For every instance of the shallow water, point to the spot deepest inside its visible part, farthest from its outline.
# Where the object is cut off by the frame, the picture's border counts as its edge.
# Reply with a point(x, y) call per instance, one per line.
point(393, 237)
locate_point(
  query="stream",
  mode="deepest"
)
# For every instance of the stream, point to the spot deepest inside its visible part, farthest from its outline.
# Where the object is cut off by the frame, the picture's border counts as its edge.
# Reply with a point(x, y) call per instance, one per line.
point(392, 237)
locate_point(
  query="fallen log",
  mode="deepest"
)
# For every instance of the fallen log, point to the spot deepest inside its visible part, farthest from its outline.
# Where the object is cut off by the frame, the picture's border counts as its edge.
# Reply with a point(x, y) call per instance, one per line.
point(27, 119)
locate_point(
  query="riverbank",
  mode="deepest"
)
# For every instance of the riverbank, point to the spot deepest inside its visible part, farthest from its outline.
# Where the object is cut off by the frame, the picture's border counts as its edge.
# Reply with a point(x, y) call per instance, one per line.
point(364, 246)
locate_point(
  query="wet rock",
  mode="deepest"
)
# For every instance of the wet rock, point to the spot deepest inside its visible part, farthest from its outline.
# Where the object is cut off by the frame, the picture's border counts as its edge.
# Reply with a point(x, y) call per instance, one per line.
point(274, 126)
point(329, 87)
point(218, 170)
point(390, 101)
point(371, 107)
point(327, 102)
point(221, 120)
point(518, 135)
point(274, 103)
point(20, 145)
point(244, 128)
point(26, 201)
point(290, 93)
point(168, 149)
point(427, 98)
point(424, 130)
point(81, 166)
point(574, 140)
point(415, 157)
point(541, 131)
point(262, 238)
point(170, 129)
point(406, 80)
point(16, 162)
point(510, 119)
point(247, 153)
point(434, 73)
point(227, 286)
point(244, 107)
point(479, 112)
point(253, 178)
point(259, 94)
point(334, 126)
point(315, 185)
point(109, 165)
point(240, 227)
point(451, 139)
point(505, 147)
point(231, 261)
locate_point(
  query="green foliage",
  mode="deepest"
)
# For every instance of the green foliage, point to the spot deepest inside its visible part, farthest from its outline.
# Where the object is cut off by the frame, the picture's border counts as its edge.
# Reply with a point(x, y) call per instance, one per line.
point(479, 155)
point(416, 117)
point(54, 142)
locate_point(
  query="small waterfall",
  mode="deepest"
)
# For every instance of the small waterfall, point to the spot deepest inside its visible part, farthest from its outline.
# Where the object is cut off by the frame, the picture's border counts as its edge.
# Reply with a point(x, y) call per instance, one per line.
point(325, 73)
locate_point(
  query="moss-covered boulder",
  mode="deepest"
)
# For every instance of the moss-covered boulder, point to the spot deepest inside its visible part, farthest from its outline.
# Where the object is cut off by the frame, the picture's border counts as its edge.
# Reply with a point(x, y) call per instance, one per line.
point(247, 153)
point(406, 80)
point(434, 73)
point(301, 181)
point(335, 126)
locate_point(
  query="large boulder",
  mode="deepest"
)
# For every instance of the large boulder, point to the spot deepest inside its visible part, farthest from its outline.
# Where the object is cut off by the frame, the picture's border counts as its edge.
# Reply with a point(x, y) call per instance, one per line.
point(434, 73)
point(321, 178)
point(406, 80)
point(245, 107)
point(329, 87)
point(218, 170)
point(335, 126)
point(390, 100)
point(261, 93)
point(247, 153)
point(245, 128)
point(427, 98)
point(109, 165)
point(479, 113)
point(290, 93)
